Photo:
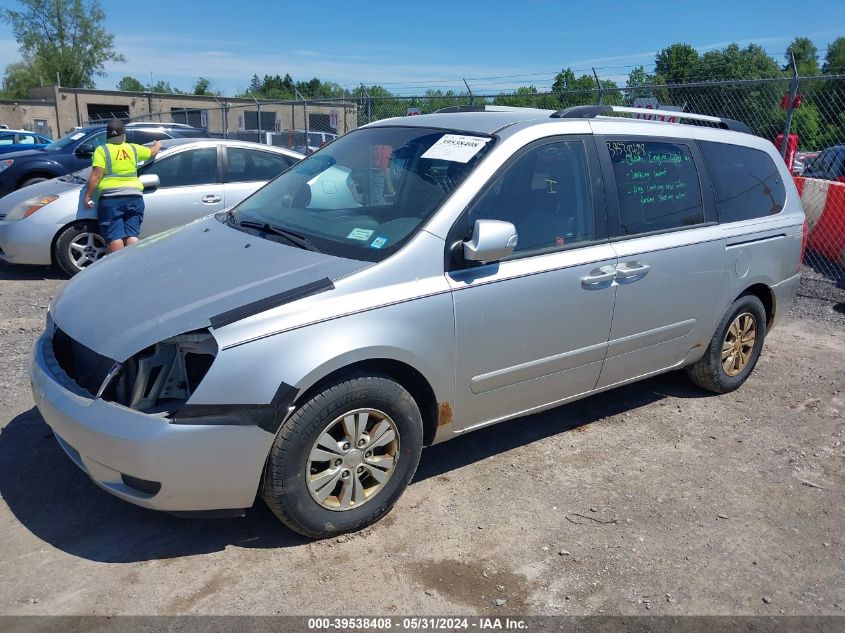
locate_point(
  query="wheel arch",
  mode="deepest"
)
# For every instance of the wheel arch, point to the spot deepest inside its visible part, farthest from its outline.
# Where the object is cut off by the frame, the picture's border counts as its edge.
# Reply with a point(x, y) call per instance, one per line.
point(36, 173)
point(433, 414)
point(766, 296)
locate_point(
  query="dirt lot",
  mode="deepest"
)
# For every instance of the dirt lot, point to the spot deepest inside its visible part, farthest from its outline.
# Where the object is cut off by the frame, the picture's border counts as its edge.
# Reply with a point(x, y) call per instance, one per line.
point(655, 498)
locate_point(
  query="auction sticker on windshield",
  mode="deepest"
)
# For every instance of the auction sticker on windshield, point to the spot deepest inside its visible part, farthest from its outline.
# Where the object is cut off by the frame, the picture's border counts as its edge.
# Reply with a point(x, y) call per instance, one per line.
point(456, 148)
point(359, 234)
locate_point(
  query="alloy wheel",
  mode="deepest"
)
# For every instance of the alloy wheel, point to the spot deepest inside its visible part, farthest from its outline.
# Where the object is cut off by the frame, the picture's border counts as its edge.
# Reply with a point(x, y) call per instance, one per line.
point(738, 345)
point(352, 459)
point(86, 248)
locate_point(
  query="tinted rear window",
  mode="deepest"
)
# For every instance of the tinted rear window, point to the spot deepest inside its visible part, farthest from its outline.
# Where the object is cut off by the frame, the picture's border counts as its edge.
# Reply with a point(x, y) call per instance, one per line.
point(746, 182)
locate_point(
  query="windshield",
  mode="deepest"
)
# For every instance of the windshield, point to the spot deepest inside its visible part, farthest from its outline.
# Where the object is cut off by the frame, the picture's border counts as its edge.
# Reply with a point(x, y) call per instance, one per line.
point(366, 194)
point(68, 140)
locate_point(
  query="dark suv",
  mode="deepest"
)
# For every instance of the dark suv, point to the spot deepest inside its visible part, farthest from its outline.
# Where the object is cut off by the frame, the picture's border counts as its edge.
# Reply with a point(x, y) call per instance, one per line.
point(73, 152)
point(829, 165)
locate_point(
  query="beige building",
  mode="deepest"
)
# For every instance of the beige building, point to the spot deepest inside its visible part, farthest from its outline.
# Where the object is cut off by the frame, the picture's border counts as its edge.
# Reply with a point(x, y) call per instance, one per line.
point(55, 111)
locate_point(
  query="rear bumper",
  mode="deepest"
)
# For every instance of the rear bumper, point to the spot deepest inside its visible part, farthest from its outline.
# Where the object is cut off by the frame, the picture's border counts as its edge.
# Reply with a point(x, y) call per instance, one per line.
point(197, 467)
point(785, 293)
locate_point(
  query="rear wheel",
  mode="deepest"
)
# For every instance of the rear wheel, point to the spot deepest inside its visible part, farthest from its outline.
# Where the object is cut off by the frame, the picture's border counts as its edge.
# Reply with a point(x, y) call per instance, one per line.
point(344, 457)
point(734, 349)
point(78, 246)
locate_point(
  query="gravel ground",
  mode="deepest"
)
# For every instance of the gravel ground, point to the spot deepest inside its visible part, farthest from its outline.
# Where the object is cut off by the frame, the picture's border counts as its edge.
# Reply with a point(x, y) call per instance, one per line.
point(652, 499)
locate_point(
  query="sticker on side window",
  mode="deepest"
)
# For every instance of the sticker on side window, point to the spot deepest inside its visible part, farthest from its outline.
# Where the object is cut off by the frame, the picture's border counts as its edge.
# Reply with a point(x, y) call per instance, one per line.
point(359, 234)
point(456, 148)
point(77, 136)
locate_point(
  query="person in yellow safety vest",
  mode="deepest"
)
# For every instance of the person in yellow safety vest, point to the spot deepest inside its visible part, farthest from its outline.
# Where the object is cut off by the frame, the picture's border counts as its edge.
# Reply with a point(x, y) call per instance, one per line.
point(114, 175)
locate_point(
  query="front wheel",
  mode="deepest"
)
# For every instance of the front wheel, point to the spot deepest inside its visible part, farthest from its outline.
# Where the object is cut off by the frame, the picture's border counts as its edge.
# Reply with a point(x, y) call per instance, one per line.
point(344, 457)
point(734, 349)
point(78, 246)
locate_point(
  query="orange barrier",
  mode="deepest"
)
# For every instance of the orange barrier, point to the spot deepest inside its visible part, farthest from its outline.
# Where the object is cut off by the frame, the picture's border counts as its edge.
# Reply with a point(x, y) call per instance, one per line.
point(824, 205)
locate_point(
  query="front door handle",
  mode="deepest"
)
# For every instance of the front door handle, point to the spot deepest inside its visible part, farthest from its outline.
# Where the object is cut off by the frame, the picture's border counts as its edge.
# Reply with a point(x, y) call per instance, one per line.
point(598, 276)
point(211, 198)
point(631, 271)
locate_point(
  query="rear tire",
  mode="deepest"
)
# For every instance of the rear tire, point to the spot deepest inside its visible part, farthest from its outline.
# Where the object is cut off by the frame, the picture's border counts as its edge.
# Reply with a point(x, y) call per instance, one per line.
point(344, 457)
point(734, 349)
point(78, 246)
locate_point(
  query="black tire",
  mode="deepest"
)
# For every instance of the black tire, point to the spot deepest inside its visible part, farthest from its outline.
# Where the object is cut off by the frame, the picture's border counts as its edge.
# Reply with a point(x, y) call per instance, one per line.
point(64, 254)
point(285, 487)
point(709, 372)
point(32, 181)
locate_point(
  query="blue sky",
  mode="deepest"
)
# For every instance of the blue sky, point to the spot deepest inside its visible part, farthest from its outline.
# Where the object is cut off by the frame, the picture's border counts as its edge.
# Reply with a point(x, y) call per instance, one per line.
point(408, 47)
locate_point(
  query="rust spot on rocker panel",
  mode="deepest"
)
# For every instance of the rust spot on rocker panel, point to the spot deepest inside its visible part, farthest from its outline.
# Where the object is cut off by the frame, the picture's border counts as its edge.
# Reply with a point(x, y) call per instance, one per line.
point(444, 413)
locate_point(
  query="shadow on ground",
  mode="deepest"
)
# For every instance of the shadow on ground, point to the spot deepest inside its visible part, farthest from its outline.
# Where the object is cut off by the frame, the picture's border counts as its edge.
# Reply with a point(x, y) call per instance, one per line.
point(57, 502)
point(10, 272)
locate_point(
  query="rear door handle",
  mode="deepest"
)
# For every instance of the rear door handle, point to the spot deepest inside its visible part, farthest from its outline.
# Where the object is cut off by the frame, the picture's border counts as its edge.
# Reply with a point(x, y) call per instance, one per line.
point(631, 271)
point(211, 198)
point(598, 276)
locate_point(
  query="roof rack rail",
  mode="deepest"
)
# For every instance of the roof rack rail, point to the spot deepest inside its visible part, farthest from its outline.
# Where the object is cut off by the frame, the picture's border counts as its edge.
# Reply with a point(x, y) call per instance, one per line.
point(593, 111)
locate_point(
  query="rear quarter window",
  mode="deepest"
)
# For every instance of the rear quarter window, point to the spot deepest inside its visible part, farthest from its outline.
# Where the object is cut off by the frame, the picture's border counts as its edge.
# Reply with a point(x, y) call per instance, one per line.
point(746, 182)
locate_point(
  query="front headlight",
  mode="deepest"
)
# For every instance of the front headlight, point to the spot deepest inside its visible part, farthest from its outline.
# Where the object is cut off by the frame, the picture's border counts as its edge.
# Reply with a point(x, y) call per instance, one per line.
point(29, 206)
point(5, 164)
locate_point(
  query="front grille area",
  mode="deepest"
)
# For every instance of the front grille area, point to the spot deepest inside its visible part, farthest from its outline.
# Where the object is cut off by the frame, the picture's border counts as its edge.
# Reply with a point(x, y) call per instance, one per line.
point(85, 367)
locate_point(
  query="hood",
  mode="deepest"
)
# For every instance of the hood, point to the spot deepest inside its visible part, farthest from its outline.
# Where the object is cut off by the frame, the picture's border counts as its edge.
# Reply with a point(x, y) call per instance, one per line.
point(176, 281)
point(55, 187)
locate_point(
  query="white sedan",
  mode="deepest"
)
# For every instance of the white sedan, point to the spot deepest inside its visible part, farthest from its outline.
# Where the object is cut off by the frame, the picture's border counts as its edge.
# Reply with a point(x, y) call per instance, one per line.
point(47, 223)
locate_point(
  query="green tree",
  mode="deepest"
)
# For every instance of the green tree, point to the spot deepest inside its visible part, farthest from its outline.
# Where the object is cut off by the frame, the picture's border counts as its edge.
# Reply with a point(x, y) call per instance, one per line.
point(677, 63)
point(203, 86)
point(528, 97)
point(19, 78)
point(64, 38)
point(164, 87)
point(834, 59)
point(806, 57)
point(130, 84)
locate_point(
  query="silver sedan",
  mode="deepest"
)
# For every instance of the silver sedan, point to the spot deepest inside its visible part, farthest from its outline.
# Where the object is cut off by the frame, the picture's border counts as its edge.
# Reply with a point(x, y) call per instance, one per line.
point(47, 223)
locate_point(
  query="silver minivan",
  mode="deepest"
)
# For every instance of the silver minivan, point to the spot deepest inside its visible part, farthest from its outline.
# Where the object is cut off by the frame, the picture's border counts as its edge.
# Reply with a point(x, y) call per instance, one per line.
point(416, 279)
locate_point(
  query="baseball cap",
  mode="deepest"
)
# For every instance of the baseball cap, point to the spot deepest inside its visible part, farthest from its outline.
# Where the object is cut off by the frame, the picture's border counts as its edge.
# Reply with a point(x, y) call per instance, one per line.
point(115, 128)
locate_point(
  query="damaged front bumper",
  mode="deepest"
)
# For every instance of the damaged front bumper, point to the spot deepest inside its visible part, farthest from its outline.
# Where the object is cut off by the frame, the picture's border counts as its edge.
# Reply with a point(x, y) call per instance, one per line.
point(146, 459)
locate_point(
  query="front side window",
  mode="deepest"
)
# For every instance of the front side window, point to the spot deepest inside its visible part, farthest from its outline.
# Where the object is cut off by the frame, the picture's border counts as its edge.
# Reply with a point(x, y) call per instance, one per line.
point(545, 193)
point(746, 182)
point(367, 193)
point(142, 137)
point(190, 167)
point(657, 185)
point(249, 165)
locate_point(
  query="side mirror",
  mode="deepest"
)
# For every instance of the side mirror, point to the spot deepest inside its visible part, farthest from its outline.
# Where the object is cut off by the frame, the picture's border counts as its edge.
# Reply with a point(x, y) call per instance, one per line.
point(85, 149)
point(150, 181)
point(491, 241)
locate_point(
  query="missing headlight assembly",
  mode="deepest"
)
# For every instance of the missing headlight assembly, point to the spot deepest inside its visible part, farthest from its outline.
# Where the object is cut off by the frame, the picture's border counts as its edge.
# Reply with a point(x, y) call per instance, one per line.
point(161, 378)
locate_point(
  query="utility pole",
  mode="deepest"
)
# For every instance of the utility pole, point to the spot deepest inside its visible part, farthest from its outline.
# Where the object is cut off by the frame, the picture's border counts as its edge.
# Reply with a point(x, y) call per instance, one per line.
point(793, 90)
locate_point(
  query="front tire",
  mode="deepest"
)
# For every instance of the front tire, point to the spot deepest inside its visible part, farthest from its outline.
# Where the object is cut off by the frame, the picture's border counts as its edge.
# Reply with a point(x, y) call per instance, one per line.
point(344, 457)
point(33, 181)
point(77, 247)
point(734, 349)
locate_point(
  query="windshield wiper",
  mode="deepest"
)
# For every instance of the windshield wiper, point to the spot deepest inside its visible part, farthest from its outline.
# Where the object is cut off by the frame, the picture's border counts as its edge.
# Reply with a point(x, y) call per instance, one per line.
point(294, 238)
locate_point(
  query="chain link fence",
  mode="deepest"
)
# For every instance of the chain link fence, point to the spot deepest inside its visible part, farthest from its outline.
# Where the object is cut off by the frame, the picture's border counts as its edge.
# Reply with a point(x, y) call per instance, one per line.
point(808, 111)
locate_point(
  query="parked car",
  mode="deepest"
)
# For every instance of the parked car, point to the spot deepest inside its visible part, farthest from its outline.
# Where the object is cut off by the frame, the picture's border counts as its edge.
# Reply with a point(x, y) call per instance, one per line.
point(307, 352)
point(20, 140)
point(802, 161)
point(296, 140)
point(828, 165)
point(74, 151)
point(48, 223)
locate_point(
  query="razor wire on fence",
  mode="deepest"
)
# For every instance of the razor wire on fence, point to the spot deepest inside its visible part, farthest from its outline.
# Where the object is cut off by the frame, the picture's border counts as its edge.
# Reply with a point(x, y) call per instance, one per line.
point(809, 112)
